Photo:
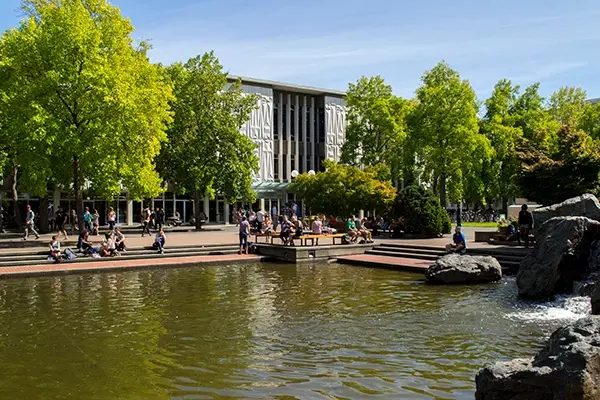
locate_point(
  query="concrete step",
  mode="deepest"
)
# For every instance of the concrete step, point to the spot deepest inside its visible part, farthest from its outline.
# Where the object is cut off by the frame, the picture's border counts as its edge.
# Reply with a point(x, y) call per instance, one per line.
point(408, 250)
point(124, 256)
point(399, 254)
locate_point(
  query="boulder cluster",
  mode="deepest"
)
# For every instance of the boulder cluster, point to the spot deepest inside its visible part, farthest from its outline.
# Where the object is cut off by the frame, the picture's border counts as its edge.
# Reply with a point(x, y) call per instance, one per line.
point(566, 259)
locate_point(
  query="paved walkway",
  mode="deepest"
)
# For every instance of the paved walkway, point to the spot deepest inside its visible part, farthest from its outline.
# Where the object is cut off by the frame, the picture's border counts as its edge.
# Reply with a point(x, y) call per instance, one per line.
point(120, 265)
point(400, 263)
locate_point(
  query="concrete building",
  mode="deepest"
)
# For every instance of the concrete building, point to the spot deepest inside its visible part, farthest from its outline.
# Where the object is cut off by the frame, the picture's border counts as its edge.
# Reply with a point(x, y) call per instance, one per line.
point(294, 127)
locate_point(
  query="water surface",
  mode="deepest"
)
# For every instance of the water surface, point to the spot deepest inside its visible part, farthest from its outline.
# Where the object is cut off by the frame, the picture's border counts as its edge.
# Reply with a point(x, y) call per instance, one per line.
point(260, 331)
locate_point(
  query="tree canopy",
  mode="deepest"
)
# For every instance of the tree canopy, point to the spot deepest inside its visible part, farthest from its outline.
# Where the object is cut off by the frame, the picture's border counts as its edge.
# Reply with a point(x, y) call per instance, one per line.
point(206, 152)
point(343, 190)
point(83, 99)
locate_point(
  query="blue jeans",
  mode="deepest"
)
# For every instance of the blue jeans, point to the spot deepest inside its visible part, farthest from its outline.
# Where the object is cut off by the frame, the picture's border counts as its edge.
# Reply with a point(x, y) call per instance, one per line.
point(243, 239)
point(159, 244)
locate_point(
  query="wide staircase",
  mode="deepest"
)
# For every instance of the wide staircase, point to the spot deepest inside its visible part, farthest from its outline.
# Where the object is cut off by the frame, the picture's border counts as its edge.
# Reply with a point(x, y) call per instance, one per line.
point(39, 257)
point(418, 258)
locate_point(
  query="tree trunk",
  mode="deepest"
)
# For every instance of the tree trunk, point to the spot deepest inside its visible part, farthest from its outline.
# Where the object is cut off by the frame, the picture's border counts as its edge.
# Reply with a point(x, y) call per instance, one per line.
point(15, 198)
point(505, 206)
point(443, 189)
point(77, 190)
point(199, 209)
point(44, 215)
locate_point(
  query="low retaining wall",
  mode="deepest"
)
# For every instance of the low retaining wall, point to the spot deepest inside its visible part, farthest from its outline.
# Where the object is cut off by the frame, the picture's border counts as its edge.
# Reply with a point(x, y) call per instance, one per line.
point(293, 254)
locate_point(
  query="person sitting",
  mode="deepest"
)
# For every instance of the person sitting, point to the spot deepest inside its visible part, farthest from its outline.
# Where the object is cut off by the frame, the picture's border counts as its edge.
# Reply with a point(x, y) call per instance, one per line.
point(108, 247)
point(55, 250)
point(83, 242)
point(298, 227)
point(286, 228)
point(525, 224)
point(119, 240)
point(351, 229)
point(159, 241)
point(268, 225)
point(513, 234)
point(364, 232)
point(459, 242)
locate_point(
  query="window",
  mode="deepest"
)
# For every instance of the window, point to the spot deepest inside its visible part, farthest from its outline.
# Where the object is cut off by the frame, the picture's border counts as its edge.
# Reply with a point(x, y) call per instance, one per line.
point(320, 165)
point(293, 162)
point(292, 123)
point(284, 166)
point(284, 124)
point(301, 124)
point(276, 167)
point(321, 124)
point(275, 122)
point(301, 166)
point(308, 127)
point(308, 162)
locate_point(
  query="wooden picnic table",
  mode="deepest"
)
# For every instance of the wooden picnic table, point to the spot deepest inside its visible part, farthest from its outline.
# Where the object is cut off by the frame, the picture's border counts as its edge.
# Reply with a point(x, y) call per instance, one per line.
point(305, 238)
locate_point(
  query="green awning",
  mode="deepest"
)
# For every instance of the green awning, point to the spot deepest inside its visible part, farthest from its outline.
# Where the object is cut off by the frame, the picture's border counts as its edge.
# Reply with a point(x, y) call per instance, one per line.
point(270, 187)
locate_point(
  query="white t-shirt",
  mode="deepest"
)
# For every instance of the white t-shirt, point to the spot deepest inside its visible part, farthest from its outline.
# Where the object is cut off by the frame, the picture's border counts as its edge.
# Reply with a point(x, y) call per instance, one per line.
point(260, 216)
point(317, 225)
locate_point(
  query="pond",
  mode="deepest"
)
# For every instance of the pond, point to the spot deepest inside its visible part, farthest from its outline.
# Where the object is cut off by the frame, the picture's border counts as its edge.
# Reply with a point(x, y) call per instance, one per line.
point(260, 331)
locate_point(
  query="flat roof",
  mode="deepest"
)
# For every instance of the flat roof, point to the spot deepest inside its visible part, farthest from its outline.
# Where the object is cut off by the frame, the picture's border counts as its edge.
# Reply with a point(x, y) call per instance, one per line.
point(593, 101)
point(287, 87)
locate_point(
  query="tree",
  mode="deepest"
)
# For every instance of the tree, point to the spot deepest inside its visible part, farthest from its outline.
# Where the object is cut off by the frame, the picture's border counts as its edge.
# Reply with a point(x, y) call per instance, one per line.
point(99, 106)
point(421, 211)
point(445, 131)
point(571, 170)
point(498, 126)
point(343, 190)
point(567, 105)
point(590, 120)
point(376, 125)
point(206, 152)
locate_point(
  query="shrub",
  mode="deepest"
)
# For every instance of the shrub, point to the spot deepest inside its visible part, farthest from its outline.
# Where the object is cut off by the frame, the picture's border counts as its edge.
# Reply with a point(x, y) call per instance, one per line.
point(421, 211)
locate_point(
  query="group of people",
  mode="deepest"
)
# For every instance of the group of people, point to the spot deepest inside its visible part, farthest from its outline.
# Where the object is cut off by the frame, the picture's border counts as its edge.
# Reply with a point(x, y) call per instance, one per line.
point(152, 220)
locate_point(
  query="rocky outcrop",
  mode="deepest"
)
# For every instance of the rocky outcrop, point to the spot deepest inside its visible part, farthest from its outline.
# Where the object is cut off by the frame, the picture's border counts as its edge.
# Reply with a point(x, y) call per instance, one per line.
point(586, 205)
point(560, 257)
point(568, 367)
point(454, 269)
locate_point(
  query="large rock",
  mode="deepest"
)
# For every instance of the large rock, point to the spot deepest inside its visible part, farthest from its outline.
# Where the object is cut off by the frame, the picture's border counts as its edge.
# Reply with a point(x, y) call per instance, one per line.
point(454, 268)
point(560, 257)
point(567, 368)
point(586, 205)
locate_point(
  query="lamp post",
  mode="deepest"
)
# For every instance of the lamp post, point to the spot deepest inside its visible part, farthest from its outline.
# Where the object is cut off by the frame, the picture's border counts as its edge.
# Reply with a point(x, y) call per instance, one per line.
point(459, 214)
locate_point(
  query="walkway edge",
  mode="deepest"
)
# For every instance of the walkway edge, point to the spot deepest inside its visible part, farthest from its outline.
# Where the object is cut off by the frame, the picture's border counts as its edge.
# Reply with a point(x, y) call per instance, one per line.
point(124, 265)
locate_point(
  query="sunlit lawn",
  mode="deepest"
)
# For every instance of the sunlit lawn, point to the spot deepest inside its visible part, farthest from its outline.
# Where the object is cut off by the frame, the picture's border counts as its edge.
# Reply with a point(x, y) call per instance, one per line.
point(480, 224)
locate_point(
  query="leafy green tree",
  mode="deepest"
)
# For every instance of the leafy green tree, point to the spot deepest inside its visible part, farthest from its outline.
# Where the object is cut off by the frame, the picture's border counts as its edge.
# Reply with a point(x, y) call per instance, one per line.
point(571, 170)
point(206, 152)
point(445, 131)
point(343, 190)
point(498, 126)
point(590, 120)
point(421, 211)
point(100, 108)
point(567, 105)
point(376, 125)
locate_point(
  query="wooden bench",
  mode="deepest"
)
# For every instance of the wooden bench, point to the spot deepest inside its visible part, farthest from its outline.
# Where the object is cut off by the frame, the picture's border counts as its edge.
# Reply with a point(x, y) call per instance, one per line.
point(265, 235)
point(305, 238)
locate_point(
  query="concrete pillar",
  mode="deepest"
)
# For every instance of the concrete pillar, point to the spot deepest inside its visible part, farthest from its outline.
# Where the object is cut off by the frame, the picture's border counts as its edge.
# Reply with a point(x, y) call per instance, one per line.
point(55, 199)
point(129, 212)
point(174, 203)
point(226, 215)
point(280, 110)
point(313, 133)
point(261, 204)
point(297, 134)
point(304, 166)
point(206, 208)
point(288, 136)
point(152, 204)
point(361, 214)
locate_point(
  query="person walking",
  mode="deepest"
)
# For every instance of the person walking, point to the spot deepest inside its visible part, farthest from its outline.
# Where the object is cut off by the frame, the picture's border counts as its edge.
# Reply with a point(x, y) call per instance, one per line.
point(112, 219)
point(51, 218)
point(29, 223)
point(87, 220)
point(146, 222)
point(244, 232)
point(95, 216)
point(160, 218)
point(74, 221)
point(61, 221)
point(274, 217)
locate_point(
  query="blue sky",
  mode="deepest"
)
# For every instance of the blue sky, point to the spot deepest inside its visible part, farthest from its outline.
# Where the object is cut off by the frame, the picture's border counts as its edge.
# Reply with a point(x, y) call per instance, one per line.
point(328, 43)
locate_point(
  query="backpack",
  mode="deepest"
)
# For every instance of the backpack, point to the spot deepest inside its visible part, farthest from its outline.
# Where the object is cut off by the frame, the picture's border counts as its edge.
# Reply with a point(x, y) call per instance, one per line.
point(345, 239)
point(69, 255)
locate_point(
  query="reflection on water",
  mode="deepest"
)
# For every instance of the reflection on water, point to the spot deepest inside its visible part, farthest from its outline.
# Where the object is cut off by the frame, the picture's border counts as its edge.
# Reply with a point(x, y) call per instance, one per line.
point(261, 331)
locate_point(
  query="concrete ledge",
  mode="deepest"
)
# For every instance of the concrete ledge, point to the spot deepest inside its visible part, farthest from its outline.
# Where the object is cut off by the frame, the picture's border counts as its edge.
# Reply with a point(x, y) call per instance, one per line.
point(295, 254)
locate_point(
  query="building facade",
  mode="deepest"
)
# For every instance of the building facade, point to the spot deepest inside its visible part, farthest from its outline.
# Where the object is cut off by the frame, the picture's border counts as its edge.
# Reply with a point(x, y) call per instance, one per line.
point(294, 127)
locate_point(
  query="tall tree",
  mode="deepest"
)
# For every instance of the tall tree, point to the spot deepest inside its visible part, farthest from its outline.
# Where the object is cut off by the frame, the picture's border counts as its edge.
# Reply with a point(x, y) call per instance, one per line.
point(567, 105)
point(206, 152)
point(376, 125)
point(590, 120)
point(446, 130)
point(498, 126)
point(100, 106)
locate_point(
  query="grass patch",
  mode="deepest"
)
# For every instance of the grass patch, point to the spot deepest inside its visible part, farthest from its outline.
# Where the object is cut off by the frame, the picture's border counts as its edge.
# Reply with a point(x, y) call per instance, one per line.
point(480, 224)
